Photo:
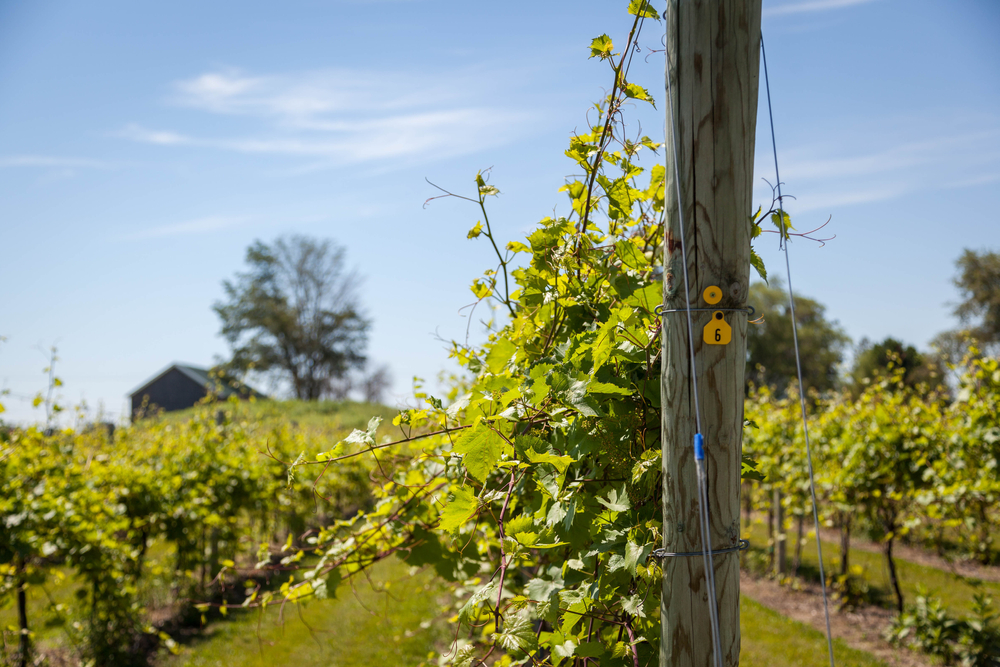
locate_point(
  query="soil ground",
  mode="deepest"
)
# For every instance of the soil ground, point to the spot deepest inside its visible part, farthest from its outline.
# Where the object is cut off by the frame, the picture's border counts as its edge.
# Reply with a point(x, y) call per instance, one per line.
point(860, 629)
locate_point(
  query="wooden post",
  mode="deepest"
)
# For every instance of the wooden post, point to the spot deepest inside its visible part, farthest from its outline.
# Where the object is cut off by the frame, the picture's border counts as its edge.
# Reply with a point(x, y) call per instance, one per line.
point(780, 544)
point(713, 49)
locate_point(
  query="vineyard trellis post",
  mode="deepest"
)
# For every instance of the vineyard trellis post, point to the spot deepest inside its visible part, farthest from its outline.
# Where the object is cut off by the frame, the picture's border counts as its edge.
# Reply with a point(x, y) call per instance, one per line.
point(713, 51)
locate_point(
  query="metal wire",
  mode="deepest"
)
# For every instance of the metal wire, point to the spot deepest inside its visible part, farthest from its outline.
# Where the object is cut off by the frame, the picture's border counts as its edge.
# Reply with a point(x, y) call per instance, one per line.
point(702, 484)
point(661, 311)
point(798, 361)
point(742, 545)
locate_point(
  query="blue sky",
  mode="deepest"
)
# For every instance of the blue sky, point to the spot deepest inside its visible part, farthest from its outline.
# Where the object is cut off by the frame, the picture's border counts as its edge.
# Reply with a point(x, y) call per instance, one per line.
point(143, 147)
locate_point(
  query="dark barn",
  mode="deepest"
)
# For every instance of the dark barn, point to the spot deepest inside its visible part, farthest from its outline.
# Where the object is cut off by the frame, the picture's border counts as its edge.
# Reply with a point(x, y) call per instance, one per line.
point(180, 386)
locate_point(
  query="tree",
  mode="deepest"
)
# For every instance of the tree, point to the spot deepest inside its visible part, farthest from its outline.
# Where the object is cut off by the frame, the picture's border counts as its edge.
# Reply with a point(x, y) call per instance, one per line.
point(978, 282)
point(887, 452)
point(874, 360)
point(375, 384)
point(295, 313)
point(968, 486)
point(770, 349)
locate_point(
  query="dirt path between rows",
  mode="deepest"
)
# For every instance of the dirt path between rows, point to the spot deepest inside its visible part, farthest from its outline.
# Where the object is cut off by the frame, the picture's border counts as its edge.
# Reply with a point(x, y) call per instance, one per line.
point(921, 556)
point(860, 629)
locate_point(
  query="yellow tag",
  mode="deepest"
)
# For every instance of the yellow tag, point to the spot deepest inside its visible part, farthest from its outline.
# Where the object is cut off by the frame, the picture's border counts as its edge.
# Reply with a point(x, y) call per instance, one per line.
point(718, 332)
point(712, 295)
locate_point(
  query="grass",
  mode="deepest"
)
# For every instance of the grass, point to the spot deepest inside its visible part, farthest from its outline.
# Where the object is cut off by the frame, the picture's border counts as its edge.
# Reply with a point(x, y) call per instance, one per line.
point(387, 625)
point(346, 634)
point(773, 640)
point(334, 415)
point(384, 625)
point(955, 591)
point(60, 588)
point(61, 585)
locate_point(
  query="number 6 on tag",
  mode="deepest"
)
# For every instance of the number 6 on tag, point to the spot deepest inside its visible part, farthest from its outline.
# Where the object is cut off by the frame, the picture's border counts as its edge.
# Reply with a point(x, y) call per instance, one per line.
point(718, 332)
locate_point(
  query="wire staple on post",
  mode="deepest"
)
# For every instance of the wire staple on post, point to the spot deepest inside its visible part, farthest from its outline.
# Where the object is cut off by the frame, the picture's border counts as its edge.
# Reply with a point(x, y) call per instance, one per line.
point(660, 554)
point(661, 311)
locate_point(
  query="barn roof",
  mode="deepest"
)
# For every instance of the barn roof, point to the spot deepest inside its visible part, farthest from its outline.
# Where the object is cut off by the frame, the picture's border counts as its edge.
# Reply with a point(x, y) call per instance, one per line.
point(199, 375)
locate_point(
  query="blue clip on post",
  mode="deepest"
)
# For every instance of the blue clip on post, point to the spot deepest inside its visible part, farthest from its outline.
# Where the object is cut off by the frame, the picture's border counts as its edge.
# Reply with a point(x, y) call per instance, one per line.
point(699, 447)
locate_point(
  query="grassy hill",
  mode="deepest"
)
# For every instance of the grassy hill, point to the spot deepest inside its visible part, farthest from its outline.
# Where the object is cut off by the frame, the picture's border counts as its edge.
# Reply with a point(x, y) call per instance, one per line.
point(334, 415)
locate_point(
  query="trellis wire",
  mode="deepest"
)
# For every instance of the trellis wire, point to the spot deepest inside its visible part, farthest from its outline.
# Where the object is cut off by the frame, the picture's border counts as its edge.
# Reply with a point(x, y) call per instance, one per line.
point(798, 361)
point(713, 602)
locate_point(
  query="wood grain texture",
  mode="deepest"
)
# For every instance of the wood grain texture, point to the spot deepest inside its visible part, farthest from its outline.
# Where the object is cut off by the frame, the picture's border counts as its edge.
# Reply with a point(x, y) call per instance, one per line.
point(713, 51)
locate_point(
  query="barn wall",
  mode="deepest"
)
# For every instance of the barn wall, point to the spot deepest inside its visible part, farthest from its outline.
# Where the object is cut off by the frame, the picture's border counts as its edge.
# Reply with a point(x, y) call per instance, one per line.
point(173, 391)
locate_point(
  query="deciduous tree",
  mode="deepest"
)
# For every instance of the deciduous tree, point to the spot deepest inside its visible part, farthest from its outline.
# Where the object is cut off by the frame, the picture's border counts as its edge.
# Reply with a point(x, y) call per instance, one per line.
point(978, 282)
point(770, 350)
point(874, 360)
point(295, 312)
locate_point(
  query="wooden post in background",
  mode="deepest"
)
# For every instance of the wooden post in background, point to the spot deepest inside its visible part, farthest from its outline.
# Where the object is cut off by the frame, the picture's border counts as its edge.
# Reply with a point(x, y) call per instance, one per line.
point(780, 543)
point(713, 49)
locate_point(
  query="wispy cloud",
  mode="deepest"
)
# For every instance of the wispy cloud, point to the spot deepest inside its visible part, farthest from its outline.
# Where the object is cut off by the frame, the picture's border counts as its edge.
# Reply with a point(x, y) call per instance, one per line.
point(51, 161)
point(983, 179)
point(809, 6)
point(807, 164)
point(342, 116)
point(205, 225)
point(865, 167)
point(136, 132)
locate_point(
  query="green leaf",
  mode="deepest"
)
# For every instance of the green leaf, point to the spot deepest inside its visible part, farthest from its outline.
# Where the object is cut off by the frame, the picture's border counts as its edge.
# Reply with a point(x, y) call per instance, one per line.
point(631, 256)
point(542, 590)
point(633, 605)
point(605, 343)
point(460, 508)
point(465, 657)
point(366, 437)
point(337, 450)
point(521, 524)
point(642, 8)
point(518, 634)
point(577, 398)
point(333, 579)
point(635, 555)
point(524, 443)
point(481, 289)
point(749, 470)
point(500, 355)
point(560, 462)
point(617, 502)
point(468, 611)
point(607, 389)
point(481, 448)
point(475, 231)
point(758, 263)
point(576, 189)
point(777, 219)
point(601, 47)
point(565, 649)
point(647, 298)
point(591, 650)
point(637, 92)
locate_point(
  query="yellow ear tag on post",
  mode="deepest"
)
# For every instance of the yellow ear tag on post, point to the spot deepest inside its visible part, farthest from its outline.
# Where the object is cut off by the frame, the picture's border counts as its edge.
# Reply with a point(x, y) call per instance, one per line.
point(712, 295)
point(718, 331)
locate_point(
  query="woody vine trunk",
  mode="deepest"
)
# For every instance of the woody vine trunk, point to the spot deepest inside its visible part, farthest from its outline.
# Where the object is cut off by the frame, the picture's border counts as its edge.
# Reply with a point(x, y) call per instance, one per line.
point(24, 638)
point(713, 51)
